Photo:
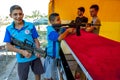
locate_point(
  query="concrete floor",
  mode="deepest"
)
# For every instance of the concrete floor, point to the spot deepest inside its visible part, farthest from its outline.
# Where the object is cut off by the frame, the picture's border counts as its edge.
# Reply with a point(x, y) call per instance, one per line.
point(8, 71)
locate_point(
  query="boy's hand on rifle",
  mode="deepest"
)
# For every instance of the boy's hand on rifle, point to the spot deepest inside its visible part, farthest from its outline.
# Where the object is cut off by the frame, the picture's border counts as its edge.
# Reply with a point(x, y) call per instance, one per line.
point(71, 30)
point(25, 53)
point(89, 29)
point(38, 55)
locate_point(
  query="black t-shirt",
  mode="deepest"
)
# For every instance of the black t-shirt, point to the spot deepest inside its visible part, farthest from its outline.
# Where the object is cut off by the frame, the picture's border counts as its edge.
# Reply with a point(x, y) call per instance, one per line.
point(81, 20)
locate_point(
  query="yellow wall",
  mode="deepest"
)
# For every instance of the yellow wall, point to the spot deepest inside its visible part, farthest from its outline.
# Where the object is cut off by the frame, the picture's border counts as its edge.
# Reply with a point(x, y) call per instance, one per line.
point(109, 14)
point(111, 30)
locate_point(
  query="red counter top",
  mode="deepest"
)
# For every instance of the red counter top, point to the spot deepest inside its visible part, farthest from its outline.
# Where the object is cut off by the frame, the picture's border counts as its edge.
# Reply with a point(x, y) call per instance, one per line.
point(100, 56)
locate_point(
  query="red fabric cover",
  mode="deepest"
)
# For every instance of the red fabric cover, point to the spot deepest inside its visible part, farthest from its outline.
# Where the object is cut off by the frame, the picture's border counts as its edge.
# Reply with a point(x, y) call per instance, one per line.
point(100, 56)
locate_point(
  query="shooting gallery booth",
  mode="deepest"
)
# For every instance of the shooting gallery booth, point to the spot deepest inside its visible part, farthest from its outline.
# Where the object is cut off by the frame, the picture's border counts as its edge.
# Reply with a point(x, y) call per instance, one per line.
point(99, 61)
point(109, 14)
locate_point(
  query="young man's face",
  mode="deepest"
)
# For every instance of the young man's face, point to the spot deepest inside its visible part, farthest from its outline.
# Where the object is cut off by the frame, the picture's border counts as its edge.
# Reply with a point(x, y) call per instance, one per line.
point(57, 20)
point(80, 13)
point(93, 12)
point(17, 16)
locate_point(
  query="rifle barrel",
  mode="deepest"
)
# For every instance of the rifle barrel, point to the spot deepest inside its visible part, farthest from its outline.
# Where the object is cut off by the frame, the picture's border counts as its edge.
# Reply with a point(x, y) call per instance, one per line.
point(75, 24)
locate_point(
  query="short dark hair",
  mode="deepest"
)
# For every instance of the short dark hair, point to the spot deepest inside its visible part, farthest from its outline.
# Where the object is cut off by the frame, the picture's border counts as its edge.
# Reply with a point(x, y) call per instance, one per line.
point(95, 6)
point(15, 7)
point(53, 16)
point(81, 9)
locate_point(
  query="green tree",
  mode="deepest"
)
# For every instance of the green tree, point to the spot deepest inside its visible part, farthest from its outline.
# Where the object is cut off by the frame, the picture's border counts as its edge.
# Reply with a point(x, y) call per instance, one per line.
point(36, 14)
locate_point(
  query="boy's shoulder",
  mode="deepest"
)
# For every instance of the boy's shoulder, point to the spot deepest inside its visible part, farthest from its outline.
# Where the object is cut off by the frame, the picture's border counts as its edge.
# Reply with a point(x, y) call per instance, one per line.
point(49, 27)
point(27, 23)
point(11, 25)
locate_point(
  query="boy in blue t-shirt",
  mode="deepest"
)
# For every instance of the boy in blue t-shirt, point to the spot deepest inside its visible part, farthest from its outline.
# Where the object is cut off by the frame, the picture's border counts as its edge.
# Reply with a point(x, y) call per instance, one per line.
point(53, 46)
point(22, 30)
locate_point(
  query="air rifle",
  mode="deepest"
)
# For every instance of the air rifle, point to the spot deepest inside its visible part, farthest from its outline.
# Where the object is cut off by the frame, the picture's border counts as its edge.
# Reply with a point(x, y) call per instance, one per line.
point(26, 46)
point(74, 25)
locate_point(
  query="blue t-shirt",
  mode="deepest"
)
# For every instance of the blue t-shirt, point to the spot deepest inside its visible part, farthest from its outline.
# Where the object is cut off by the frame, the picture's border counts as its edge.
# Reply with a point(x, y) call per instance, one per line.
point(28, 31)
point(53, 44)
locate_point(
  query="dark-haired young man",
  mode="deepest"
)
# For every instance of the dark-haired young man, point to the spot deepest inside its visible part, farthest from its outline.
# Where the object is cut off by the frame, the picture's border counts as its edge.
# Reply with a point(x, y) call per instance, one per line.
point(95, 20)
point(81, 18)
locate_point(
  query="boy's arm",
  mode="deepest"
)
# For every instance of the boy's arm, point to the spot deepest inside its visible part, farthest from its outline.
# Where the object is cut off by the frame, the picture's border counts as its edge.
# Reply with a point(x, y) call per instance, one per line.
point(89, 28)
point(64, 34)
point(35, 37)
point(20, 51)
point(12, 48)
point(37, 43)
